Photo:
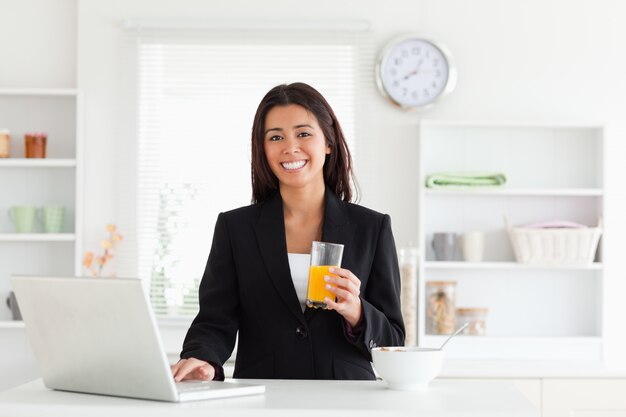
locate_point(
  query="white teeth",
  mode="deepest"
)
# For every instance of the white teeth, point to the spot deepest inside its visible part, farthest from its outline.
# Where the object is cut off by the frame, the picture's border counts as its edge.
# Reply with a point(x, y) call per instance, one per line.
point(293, 165)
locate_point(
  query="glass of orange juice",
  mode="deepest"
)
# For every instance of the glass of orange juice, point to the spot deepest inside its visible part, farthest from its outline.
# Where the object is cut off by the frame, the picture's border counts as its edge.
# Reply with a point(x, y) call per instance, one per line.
point(324, 255)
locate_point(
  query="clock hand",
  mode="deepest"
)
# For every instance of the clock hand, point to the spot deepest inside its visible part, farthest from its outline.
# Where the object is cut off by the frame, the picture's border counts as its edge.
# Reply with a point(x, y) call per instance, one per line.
point(415, 71)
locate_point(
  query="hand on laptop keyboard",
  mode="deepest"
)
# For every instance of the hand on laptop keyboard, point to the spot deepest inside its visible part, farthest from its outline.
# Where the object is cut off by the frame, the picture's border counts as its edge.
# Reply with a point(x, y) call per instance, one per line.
point(193, 368)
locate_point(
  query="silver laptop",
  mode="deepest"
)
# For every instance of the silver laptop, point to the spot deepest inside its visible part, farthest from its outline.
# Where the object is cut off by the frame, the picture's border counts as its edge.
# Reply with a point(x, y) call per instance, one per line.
point(99, 336)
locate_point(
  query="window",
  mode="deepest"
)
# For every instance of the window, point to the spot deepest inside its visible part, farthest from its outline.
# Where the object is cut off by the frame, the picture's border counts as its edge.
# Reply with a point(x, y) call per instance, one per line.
point(198, 92)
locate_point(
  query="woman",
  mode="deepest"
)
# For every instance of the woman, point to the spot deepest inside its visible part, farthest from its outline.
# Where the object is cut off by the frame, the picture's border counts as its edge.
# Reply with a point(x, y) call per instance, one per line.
point(255, 278)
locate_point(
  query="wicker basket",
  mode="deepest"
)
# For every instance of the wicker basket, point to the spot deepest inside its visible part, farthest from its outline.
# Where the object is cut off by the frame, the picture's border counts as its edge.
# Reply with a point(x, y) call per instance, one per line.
point(554, 246)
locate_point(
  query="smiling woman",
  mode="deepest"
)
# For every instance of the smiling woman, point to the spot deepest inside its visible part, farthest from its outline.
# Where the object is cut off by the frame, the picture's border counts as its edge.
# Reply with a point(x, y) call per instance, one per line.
point(301, 172)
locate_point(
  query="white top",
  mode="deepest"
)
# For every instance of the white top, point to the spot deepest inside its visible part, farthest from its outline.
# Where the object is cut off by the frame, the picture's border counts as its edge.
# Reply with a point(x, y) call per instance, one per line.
point(299, 265)
point(302, 398)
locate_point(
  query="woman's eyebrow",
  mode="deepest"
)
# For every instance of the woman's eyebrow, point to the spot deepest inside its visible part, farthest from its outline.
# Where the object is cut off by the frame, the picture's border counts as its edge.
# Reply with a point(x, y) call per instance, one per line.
point(280, 129)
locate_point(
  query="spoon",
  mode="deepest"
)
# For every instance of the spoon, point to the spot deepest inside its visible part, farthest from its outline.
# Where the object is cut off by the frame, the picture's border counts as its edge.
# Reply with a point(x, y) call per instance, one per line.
point(454, 334)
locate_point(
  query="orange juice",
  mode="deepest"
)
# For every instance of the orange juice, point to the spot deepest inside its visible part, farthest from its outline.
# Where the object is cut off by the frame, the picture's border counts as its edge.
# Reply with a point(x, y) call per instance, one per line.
point(317, 286)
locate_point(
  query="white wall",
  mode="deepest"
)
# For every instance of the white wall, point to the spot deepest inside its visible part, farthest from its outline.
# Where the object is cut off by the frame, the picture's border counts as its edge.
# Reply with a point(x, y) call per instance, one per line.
point(531, 60)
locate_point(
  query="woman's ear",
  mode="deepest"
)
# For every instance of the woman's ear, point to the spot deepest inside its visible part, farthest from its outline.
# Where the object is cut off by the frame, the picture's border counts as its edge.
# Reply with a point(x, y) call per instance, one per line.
point(328, 149)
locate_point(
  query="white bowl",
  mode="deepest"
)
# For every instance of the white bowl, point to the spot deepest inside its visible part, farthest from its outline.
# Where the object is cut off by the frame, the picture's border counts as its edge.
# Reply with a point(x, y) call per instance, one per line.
point(407, 368)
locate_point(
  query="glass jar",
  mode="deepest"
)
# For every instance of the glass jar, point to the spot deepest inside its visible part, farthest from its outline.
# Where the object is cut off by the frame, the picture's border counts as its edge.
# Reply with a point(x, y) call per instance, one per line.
point(476, 317)
point(409, 258)
point(440, 307)
point(35, 144)
point(5, 143)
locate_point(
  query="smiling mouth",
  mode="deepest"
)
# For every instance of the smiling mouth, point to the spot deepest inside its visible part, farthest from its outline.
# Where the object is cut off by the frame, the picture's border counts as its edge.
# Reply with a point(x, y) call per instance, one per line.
point(293, 165)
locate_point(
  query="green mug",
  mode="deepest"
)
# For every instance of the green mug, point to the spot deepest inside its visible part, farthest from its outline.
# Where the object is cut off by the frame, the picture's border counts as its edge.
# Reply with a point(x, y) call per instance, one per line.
point(52, 218)
point(23, 217)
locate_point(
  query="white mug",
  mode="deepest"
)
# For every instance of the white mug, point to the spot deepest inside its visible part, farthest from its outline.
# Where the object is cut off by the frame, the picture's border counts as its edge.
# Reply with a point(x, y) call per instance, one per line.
point(473, 246)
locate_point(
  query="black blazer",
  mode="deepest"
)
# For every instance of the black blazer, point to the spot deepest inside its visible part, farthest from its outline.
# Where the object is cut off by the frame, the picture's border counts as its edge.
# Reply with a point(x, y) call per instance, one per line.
point(247, 287)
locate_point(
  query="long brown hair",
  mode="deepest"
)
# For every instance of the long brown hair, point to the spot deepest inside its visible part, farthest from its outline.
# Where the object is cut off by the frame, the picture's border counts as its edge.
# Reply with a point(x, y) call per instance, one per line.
point(338, 165)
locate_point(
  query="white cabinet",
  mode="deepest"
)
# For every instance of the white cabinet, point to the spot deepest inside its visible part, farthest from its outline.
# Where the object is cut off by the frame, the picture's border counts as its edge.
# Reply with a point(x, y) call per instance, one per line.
point(584, 398)
point(530, 388)
point(555, 172)
point(54, 180)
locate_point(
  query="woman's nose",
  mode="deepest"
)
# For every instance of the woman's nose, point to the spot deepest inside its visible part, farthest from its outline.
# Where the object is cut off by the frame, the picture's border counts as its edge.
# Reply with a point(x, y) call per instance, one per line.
point(291, 146)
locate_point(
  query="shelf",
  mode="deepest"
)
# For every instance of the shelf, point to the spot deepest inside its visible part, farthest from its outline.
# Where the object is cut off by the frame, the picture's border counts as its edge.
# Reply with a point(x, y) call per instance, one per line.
point(37, 163)
point(553, 348)
point(39, 92)
point(37, 237)
point(555, 172)
point(11, 324)
point(431, 339)
point(525, 192)
point(507, 266)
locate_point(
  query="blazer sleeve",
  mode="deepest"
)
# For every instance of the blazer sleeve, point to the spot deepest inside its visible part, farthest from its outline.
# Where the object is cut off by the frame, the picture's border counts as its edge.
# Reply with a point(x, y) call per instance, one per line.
point(211, 336)
point(382, 315)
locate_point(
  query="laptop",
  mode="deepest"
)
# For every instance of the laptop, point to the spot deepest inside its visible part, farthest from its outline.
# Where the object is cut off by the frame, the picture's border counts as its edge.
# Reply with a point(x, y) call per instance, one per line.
point(100, 336)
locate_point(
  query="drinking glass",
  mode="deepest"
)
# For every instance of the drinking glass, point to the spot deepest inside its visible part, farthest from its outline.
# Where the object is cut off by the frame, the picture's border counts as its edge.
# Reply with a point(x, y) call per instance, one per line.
point(324, 256)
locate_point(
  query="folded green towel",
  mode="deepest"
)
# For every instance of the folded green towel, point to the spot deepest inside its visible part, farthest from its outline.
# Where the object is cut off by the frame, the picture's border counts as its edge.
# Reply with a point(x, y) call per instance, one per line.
point(465, 179)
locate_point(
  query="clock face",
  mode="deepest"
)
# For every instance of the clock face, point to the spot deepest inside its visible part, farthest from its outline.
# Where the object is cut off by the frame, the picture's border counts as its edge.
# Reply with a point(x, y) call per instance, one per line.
point(414, 72)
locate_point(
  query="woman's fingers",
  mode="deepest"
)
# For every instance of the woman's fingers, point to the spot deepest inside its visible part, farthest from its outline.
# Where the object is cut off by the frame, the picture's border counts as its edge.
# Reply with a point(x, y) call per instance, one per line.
point(192, 368)
point(339, 292)
point(348, 282)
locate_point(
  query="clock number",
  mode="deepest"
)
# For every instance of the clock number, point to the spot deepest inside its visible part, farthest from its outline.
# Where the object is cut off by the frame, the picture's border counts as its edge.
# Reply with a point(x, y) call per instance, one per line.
point(434, 84)
point(416, 50)
point(405, 53)
point(438, 73)
point(426, 93)
point(398, 61)
point(404, 91)
point(393, 71)
point(395, 83)
point(415, 95)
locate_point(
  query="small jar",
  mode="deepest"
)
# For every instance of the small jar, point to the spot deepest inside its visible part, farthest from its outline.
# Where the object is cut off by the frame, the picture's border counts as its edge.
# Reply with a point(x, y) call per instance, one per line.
point(440, 307)
point(476, 317)
point(35, 144)
point(5, 143)
point(408, 258)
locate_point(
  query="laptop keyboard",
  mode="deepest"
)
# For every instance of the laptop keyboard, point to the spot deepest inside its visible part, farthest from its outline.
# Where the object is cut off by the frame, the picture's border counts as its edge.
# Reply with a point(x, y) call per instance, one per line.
point(187, 386)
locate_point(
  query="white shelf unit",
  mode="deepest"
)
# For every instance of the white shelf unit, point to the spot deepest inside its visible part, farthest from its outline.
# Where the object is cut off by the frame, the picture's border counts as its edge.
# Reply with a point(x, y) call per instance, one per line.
point(555, 172)
point(56, 179)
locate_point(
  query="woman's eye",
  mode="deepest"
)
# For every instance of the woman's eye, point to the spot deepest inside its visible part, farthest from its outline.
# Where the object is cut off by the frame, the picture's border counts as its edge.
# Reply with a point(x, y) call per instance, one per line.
point(275, 138)
point(304, 134)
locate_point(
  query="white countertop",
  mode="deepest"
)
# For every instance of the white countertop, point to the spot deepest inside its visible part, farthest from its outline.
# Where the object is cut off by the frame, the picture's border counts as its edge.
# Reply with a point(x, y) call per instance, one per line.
point(287, 398)
point(456, 368)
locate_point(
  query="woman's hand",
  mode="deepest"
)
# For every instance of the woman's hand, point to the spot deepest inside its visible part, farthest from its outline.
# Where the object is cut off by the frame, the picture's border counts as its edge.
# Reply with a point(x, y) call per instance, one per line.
point(347, 287)
point(193, 368)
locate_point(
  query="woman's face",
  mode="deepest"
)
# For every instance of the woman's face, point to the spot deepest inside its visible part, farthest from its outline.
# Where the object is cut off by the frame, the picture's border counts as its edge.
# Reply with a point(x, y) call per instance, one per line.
point(295, 146)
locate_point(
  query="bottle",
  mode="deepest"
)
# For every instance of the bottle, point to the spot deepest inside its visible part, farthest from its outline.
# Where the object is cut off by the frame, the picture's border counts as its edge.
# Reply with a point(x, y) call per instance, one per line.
point(409, 259)
point(440, 307)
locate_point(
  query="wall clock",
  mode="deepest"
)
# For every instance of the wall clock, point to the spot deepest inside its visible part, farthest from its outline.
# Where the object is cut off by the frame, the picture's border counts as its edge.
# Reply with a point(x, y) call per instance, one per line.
point(414, 73)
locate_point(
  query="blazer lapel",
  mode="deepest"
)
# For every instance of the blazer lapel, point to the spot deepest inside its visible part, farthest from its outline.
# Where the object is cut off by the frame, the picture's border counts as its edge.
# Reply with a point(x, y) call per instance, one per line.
point(337, 229)
point(270, 234)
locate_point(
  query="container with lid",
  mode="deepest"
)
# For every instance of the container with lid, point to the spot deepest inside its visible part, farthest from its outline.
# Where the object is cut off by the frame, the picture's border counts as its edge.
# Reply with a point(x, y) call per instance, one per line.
point(409, 259)
point(476, 317)
point(5, 143)
point(440, 307)
point(35, 144)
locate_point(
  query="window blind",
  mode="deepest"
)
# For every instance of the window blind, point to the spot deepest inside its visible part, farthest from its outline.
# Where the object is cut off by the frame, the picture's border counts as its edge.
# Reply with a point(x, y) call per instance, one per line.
point(197, 94)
